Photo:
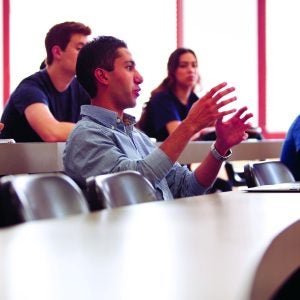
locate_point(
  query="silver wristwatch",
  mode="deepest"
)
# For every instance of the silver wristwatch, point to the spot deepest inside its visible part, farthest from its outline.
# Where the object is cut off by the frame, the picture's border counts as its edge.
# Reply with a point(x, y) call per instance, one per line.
point(217, 155)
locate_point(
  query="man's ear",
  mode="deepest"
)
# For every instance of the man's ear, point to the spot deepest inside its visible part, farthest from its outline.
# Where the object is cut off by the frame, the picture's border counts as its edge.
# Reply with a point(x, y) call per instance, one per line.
point(56, 51)
point(101, 75)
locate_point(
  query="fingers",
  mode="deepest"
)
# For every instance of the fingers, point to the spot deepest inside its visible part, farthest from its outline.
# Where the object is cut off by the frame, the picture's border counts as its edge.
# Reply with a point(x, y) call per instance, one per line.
point(237, 116)
point(241, 111)
point(225, 102)
point(226, 112)
point(215, 89)
point(247, 117)
point(245, 136)
point(214, 97)
point(223, 93)
point(216, 94)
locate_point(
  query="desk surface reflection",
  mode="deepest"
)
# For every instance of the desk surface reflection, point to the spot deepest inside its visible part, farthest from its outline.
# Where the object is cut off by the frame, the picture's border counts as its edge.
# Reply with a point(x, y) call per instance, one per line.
point(205, 247)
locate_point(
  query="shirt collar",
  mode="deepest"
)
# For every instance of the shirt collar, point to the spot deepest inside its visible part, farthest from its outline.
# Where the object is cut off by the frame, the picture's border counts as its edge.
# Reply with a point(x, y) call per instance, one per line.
point(105, 116)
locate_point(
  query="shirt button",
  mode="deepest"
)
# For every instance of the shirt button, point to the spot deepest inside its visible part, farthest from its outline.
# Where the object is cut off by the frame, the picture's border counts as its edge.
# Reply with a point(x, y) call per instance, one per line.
point(118, 120)
point(112, 127)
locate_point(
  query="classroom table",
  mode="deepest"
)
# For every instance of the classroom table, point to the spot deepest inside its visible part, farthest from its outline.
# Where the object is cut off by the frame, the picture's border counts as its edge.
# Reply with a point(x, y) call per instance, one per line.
point(20, 158)
point(248, 150)
point(47, 157)
point(204, 247)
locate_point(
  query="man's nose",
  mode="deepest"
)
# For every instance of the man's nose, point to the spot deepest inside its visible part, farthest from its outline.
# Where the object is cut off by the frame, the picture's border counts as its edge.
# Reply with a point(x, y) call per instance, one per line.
point(138, 78)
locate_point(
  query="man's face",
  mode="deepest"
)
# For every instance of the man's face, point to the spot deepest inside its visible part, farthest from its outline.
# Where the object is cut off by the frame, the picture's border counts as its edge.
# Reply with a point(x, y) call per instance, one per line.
point(124, 81)
point(69, 55)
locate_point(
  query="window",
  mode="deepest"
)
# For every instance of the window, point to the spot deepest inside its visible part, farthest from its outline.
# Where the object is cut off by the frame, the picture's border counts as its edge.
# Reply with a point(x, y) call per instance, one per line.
point(222, 33)
point(224, 36)
point(283, 63)
point(148, 27)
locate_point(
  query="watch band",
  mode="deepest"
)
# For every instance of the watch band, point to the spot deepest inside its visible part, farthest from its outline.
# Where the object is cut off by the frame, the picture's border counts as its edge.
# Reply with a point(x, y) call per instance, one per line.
point(217, 155)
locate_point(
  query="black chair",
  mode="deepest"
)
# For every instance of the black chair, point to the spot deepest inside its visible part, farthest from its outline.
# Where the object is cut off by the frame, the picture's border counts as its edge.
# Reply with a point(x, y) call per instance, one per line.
point(27, 197)
point(236, 178)
point(119, 189)
point(267, 172)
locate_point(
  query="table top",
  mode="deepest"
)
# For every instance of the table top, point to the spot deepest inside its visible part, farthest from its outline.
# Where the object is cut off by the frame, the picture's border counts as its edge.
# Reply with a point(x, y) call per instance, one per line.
point(247, 150)
point(20, 158)
point(205, 247)
point(47, 157)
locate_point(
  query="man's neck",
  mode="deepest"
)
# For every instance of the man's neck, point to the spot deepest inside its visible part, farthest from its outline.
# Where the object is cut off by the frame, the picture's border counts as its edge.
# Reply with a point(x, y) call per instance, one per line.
point(61, 80)
point(107, 104)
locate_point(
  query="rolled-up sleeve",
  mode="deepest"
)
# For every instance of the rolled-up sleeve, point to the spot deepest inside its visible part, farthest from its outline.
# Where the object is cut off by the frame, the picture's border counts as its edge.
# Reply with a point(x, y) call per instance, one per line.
point(92, 150)
point(183, 183)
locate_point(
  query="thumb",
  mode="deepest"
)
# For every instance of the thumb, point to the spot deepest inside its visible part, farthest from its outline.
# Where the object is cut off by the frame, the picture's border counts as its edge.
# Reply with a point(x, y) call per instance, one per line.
point(219, 121)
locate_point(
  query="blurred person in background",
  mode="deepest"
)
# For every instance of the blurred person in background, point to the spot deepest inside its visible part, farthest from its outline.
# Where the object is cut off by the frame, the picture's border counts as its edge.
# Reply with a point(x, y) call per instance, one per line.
point(290, 153)
point(171, 101)
point(46, 105)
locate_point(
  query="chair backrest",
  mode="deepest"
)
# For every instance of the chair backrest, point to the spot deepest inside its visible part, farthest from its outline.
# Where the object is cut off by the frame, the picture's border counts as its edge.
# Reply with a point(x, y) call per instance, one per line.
point(40, 196)
point(267, 172)
point(236, 178)
point(119, 189)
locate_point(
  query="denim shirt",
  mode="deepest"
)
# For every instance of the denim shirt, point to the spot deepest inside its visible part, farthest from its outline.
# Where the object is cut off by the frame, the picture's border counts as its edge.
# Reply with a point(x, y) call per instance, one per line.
point(102, 143)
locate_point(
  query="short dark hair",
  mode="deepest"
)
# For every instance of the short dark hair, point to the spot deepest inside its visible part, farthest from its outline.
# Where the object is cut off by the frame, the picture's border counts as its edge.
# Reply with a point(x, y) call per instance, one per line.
point(101, 52)
point(60, 34)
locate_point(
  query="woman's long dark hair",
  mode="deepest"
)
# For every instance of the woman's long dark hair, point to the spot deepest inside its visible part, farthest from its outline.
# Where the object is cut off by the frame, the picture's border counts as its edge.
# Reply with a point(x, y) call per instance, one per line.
point(170, 81)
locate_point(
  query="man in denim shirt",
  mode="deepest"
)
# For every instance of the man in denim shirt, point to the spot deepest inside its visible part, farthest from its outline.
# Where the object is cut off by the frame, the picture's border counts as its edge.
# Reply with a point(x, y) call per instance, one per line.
point(106, 141)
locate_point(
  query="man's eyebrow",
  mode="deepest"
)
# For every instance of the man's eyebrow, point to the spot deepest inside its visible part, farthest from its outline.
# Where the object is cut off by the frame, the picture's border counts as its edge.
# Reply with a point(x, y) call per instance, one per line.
point(132, 62)
point(80, 44)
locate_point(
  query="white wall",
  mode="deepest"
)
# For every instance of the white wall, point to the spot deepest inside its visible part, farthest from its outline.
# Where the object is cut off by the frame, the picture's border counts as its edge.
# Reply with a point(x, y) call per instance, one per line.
point(222, 33)
point(149, 32)
point(283, 61)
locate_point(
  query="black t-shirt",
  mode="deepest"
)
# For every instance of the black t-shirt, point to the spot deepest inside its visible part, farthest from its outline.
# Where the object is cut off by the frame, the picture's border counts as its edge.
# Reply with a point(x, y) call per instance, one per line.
point(38, 88)
point(161, 109)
